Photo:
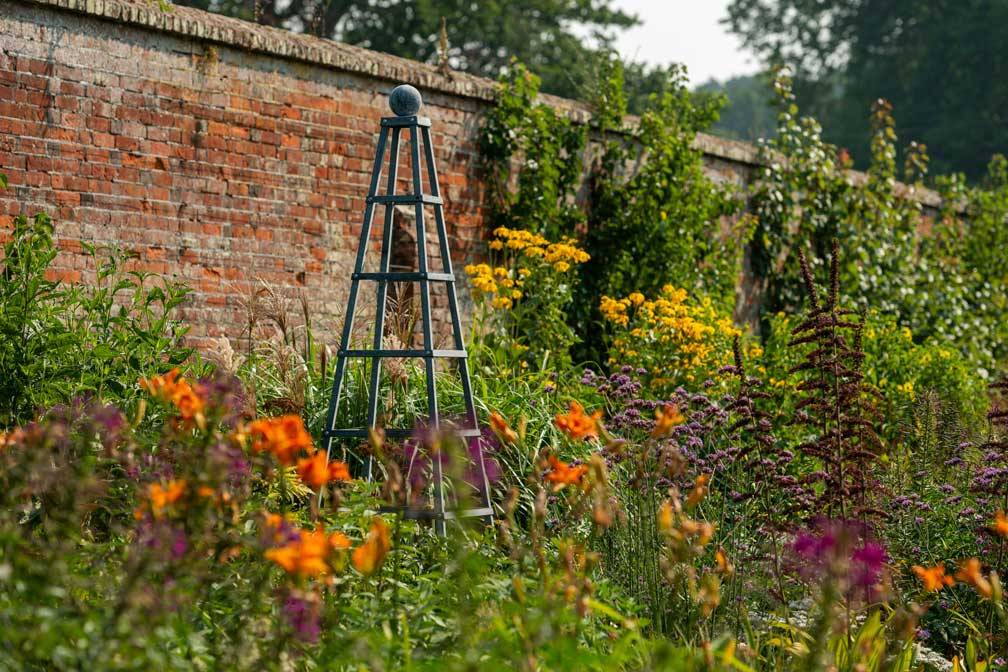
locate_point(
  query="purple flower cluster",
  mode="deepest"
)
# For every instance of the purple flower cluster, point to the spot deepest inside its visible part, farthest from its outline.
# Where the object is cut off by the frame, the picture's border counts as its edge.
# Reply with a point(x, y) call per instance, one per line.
point(842, 552)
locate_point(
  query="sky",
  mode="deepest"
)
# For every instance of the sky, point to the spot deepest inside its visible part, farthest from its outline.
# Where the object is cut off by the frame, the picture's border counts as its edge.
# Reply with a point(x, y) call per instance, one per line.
point(684, 31)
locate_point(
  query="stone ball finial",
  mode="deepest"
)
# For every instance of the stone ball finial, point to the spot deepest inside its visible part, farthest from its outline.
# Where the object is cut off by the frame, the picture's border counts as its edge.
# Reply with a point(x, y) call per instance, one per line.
point(405, 100)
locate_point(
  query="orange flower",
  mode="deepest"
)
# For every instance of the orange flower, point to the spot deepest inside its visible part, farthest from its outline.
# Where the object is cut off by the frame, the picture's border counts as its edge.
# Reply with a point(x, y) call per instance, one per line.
point(339, 541)
point(724, 566)
point(172, 389)
point(317, 470)
point(284, 436)
point(576, 424)
point(501, 428)
point(309, 554)
point(970, 573)
point(933, 578)
point(699, 491)
point(7, 440)
point(562, 474)
point(1000, 524)
point(666, 517)
point(339, 471)
point(665, 419)
point(162, 497)
point(368, 557)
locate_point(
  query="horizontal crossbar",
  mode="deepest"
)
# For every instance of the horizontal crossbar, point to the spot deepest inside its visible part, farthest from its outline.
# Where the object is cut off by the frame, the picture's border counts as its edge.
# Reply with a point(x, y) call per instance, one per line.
point(405, 199)
point(393, 433)
point(427, 513)
point(392, 122)
point(404, 277)
point(455, 354)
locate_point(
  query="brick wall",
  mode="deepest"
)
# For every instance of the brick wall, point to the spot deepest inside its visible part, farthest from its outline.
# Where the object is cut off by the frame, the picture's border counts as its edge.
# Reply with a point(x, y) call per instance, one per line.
point(231, 156)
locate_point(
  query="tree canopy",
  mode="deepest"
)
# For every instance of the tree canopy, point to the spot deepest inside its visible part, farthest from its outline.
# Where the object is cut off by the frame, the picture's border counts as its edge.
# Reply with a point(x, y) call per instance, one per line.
point(560, 40)
point(941, 63)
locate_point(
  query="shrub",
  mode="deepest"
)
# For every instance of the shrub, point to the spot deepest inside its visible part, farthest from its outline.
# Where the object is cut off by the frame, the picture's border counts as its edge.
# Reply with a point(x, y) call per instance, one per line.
point(58, 342)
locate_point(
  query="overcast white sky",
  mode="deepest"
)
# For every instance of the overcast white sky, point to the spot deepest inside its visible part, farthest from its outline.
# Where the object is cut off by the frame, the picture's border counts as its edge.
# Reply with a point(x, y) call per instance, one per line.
point(684, 31)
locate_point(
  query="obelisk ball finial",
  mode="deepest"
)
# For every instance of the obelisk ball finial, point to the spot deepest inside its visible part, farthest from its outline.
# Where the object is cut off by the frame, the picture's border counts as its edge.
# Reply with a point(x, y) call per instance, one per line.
point(405, 100)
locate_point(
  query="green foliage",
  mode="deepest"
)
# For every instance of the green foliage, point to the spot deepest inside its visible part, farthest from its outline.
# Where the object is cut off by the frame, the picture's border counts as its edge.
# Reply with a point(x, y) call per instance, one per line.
point(655, 216)
point(652, 215)
point(934, 61)
point(748, 113)
point(483, 36)
point(65, 341)
point(57, 342)
point(927, 282)
point(547, 147)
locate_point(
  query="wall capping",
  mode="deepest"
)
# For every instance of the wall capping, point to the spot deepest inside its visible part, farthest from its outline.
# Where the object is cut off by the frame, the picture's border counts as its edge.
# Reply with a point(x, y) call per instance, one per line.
point(208, 27)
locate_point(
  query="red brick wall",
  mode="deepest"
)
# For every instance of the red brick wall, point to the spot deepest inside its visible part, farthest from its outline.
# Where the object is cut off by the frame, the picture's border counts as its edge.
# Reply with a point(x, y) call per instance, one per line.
point(220, 167)
point(232, 156)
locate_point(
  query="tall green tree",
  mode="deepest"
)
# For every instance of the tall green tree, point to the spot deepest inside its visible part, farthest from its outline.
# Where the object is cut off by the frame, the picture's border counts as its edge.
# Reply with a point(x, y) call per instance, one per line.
point(557, 39)
point(941, 63)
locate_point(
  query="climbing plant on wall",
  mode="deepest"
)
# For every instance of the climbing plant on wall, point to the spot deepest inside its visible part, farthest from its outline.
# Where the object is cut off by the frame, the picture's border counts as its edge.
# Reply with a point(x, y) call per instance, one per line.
point(649, 215)
point(930, 276)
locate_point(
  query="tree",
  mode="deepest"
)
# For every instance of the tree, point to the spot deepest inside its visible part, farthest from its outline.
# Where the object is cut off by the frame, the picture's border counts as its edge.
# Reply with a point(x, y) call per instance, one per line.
point(557, 39)
point(941, 63)
point(749, 113)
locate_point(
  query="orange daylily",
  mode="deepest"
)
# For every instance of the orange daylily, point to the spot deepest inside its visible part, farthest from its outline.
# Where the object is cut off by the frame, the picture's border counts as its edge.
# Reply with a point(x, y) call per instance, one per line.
point(699, 491)
point(562, 474)
point(970, 572)
point(177, 391)
point(725, 567)
point(576, 424)
point(1000, 524)
point(339, 541)
point(164, 496)
point(317, 470)
point(306, 556)
point(11, 438)
point(368, 557)
point(501, 428)
point(933, 578)
point(309, 554)
point(665, 419)
point(666, 517)
point(284, 436)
